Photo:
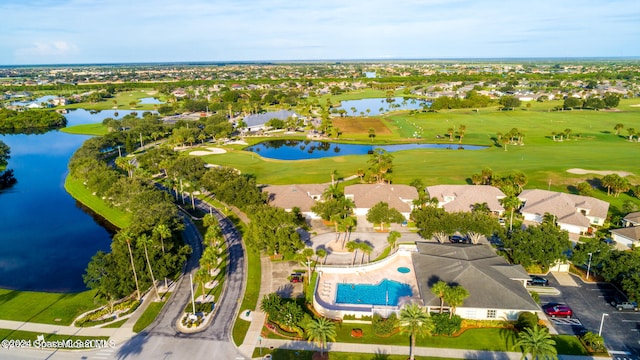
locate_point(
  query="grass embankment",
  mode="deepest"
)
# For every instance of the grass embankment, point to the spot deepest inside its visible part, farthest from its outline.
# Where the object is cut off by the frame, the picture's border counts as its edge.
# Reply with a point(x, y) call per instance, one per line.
point(115, 216)
point(86, 129)
point(46, 308)
point(251, 293)
point(149, 314)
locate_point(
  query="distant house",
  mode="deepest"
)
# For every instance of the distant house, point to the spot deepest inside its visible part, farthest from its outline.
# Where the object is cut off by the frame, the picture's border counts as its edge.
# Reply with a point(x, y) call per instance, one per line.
point(454, 198)
point(365, 196)
point(257, 122)
point(627, 236)
point(496, 288)
point(179, 93)
point(574, 213)
point(302, 196)
point(632, 219)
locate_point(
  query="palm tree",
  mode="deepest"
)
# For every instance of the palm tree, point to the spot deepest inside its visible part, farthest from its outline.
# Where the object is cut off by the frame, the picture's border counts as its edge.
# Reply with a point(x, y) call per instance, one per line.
point(353, 246)
point(537, 342)
point(163, 231)
point(127, 236)
point(510, 203)
point(209, 258)
point(307, 254)
point(392, 239)
point(450, 131)
point(334, 173)
point(320, 331)
point(415, 321)
point(145, 240)
point(617, 128)
point(461, 131)
point(631, 132)
point(202, 276)
point(455, 296)
point(439, 289)
point(321, 253)
point(366, 249)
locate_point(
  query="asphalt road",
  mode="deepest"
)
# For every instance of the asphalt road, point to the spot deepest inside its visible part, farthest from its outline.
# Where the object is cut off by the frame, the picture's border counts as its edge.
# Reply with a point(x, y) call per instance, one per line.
point(162, 340)
point(588, 302)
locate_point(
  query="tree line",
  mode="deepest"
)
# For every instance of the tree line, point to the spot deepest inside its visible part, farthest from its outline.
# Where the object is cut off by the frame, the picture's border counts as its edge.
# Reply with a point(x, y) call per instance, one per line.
point(21, 121)
point(6, 175)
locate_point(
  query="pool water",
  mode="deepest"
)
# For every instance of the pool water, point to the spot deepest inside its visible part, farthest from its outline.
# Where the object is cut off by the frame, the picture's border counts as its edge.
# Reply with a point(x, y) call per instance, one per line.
point(404, 270)
point(387, 292)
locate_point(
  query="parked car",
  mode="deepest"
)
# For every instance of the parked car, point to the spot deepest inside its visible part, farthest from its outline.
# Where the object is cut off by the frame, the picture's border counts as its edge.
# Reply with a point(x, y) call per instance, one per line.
point(501, 222)
point(457, 239)
point(537, 281)
point(625, 305)
point(558, 310)
point(296, 278)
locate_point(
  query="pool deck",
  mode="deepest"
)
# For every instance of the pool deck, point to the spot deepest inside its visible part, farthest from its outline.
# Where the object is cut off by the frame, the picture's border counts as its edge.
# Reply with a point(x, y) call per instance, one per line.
point(327, 282)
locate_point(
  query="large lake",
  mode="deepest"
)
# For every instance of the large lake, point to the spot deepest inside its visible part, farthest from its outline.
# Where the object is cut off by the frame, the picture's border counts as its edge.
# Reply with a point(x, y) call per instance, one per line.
point(307, 149)
point(47, 240)
point(377, 106)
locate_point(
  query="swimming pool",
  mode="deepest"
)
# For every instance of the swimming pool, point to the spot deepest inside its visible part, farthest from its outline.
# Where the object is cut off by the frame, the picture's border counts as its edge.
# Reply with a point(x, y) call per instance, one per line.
point(387, 292)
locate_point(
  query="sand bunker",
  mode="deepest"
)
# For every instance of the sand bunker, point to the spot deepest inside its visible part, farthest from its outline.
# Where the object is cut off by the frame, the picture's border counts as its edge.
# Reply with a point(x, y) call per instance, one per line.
point(598, 172)
point(209, 151)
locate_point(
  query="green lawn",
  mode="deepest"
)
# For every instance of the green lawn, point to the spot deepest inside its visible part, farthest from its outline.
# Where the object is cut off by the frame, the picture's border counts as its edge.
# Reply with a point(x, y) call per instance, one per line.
point(149, 314)
point(251, 293)
point(544, 161)
point(115, 216)
point(42, 307)
point(86, 129)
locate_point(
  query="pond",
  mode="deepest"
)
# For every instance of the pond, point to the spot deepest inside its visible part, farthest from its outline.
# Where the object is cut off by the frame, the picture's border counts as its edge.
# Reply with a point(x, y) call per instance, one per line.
point(150, 100)
point(47, 239)
point(82, 116)
point(377, 106)
point(307, 149)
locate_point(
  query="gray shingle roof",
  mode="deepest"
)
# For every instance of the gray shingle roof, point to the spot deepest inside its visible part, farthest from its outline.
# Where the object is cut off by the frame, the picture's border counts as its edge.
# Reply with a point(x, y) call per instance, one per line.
point(290, 196)
point(632, 233)
point(398, 197)
point(261, 119)
point(465, 196)
point(492, 282)
point(563, 206)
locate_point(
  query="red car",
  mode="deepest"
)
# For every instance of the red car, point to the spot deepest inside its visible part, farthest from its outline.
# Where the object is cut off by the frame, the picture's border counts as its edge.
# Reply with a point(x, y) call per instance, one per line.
point(559, 311)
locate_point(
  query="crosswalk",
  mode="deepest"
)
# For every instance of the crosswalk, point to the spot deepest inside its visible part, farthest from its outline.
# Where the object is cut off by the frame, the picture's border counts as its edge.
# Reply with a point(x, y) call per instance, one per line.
point(564, 321)
point(104, 354)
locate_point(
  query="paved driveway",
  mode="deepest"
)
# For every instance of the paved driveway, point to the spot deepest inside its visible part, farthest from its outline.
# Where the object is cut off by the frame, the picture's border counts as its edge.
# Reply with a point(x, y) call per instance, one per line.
point(589, 301)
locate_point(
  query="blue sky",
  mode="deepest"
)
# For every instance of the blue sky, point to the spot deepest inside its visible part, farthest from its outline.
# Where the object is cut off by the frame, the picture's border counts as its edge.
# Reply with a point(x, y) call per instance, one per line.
point(108, 31)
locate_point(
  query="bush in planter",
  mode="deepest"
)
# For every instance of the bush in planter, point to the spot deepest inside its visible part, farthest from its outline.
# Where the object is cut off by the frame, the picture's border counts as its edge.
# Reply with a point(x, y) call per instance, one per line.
point(384, 327)
point(594, 341)
point(442, 325)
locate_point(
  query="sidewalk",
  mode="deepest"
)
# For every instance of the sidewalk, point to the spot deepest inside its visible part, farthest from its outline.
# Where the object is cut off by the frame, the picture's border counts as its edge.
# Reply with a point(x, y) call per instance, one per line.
point(404, 350)
point(253, 338)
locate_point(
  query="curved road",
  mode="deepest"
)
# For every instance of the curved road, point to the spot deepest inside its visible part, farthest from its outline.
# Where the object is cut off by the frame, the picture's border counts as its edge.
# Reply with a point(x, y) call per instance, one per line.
point(162, 340)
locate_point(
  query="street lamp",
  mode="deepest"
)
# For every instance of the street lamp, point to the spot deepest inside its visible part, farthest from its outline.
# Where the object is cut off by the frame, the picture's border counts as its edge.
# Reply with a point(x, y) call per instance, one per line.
point(589, 265)
point(602, 322)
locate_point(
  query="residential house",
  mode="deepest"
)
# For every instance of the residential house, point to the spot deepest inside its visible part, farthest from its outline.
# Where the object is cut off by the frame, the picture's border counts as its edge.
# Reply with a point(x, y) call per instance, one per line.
point(496, 288)
point(455, 198)
point(302, 196)
point(256, 122)
point(629, 234)
point(365, 196)
point(626, 236)
point(632, 219)
point(573, 213)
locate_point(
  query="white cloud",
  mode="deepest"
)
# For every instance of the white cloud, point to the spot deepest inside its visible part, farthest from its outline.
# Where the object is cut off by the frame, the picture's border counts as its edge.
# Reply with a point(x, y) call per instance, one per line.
point(44, 50)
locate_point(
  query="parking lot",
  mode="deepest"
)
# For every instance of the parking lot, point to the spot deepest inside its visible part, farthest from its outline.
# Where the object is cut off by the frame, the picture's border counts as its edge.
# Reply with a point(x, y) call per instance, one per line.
point(589, 301)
